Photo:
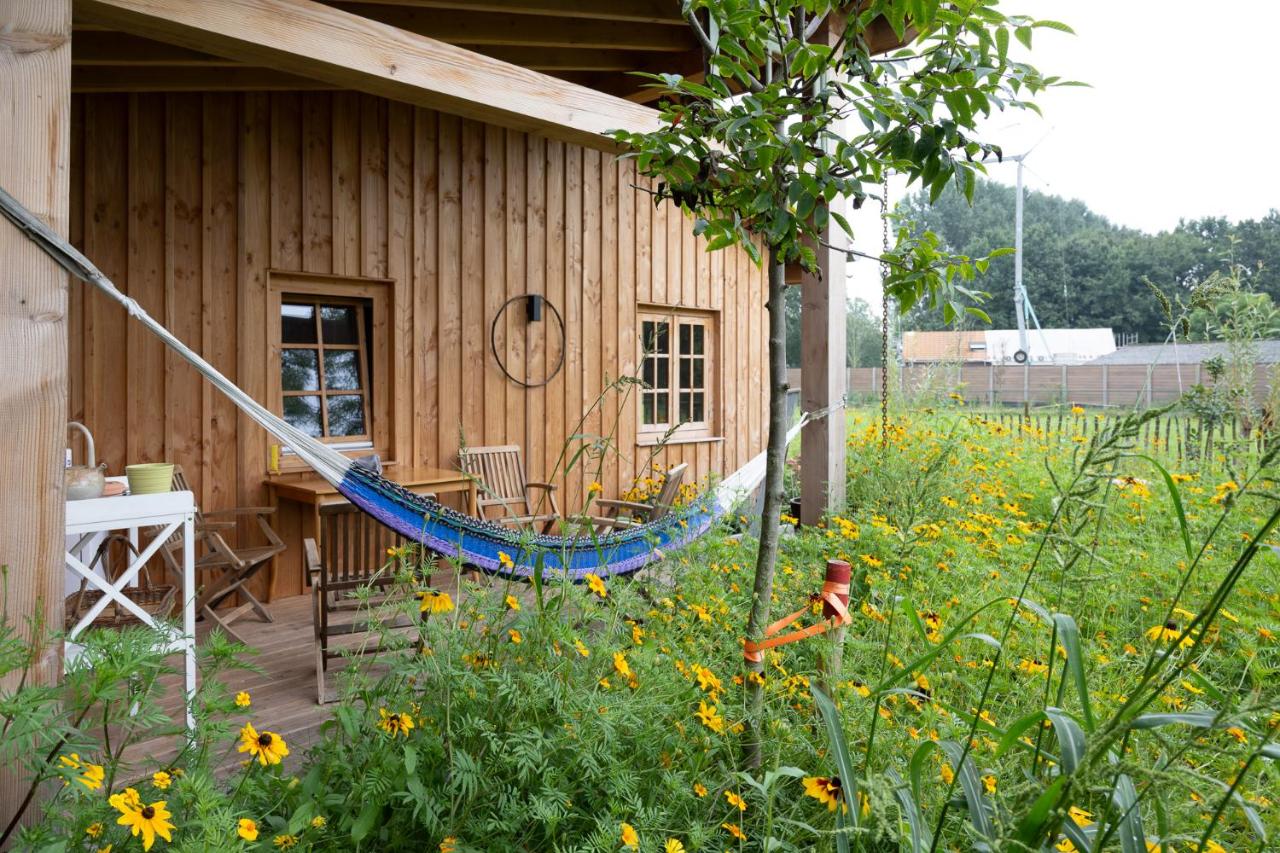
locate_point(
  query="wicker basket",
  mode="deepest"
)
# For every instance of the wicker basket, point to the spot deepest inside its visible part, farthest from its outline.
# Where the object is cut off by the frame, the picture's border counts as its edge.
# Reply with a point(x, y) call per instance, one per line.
point(155, 599)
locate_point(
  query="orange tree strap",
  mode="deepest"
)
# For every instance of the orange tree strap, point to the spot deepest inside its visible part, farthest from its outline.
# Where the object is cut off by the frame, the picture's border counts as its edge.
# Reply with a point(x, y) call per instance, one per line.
point(831, 591)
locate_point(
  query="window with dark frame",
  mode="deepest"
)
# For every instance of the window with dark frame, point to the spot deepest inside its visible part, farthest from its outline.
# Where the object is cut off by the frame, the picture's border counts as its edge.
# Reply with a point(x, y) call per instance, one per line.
point(324, 366)
point(675, 369)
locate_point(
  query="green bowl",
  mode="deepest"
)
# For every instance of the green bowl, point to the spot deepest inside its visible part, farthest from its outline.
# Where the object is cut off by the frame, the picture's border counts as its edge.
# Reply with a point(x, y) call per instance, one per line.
point(151, 478)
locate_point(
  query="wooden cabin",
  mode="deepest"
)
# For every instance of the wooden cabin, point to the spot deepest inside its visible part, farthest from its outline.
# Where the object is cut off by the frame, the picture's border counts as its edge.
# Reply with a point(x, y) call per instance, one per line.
point(351, 210)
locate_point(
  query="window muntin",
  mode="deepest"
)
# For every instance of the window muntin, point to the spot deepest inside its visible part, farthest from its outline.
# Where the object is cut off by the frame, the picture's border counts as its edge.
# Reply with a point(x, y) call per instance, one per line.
point(324, 366)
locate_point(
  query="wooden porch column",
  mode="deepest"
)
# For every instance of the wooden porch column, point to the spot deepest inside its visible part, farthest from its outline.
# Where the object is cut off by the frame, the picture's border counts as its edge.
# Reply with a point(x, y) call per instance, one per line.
point(35, 117)
point(822, 384)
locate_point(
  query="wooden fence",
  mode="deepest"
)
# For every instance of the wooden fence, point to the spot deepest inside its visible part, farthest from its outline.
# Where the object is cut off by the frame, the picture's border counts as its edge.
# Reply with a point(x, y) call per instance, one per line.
point(1108, 386)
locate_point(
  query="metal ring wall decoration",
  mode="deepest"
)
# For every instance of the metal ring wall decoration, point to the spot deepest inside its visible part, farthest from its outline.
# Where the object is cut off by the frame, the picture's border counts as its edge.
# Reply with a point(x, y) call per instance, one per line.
point(493, 341)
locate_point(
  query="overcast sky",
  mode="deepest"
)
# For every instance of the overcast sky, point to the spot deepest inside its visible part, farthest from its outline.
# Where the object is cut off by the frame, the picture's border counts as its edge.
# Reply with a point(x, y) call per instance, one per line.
point(1181, 120)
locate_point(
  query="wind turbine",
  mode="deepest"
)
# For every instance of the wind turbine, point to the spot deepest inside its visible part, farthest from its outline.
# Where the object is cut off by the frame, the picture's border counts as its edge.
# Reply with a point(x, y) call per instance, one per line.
point(1022, 308)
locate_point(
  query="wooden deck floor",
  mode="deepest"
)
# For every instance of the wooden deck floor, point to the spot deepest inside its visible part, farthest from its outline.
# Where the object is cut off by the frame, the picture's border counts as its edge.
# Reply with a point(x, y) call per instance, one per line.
point(283, 692)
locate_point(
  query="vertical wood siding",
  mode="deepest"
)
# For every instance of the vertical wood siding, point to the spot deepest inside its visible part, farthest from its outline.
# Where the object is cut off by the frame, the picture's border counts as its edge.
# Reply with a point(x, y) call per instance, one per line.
point(189, 201)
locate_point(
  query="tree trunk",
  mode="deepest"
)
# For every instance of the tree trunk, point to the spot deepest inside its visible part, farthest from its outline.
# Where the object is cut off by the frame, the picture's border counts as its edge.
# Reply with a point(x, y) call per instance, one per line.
point(776, 457)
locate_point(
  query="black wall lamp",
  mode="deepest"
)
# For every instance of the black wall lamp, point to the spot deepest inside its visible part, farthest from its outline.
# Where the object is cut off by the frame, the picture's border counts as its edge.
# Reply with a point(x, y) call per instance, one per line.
point(533, 308)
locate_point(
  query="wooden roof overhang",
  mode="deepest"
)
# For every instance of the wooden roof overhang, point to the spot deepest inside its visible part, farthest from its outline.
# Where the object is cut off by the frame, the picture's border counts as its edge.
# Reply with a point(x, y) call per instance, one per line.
point(562, 68)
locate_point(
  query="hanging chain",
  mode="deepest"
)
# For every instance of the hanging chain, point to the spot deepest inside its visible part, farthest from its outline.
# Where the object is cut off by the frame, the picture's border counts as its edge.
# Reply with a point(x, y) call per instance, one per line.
point(884, 315)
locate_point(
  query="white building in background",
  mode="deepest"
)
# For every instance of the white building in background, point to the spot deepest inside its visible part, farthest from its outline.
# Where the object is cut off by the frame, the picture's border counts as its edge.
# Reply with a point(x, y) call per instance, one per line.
point(997, 346)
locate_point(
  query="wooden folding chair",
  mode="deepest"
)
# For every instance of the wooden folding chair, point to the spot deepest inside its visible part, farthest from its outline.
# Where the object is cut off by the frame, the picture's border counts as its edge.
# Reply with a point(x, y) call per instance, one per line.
point(230, 569)
point(505, 495)
point(643, 513)
point(351, 554)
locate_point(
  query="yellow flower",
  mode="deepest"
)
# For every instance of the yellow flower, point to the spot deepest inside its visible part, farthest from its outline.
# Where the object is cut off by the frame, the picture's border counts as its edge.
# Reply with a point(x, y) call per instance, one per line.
point(92, 776)
point(700, 789)
point(284, 842)
point(513, 603)
point(734, 830)
point(596, 585)
point(504, 560)
point(673, 846)
point(989, 782)
point(1169, 632)
point(434, 602)
point(247, 829)
point(161, 779)
point(621, 666)
point(1238, 733)
point(395, 723)
point(630, 838)
point(824, 789)
point(948, 775)
point(267, 747)
point(735, 800)
point(594, 488)
point(1065, 846)
point(447, 845)
point(318, 822)
point(1033, 667)
point(709, 716)
point(94, 829)
point(145, 820)
point(581, 648)
point(1080, 816)
point(242, 699)
point(1077, 410)
point(1212, 846)
point(515, 636)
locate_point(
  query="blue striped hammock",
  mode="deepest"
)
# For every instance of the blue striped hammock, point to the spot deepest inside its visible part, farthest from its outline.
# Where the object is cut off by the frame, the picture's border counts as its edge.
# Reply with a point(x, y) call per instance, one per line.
point(437, 528)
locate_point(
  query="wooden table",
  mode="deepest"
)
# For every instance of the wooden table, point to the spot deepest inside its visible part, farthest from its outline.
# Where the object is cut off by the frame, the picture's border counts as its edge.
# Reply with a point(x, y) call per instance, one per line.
point(317, 494)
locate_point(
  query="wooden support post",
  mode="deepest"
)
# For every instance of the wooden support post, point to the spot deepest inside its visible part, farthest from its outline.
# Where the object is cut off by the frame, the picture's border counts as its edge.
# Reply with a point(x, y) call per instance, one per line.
point(35, 117)
point(822, 385)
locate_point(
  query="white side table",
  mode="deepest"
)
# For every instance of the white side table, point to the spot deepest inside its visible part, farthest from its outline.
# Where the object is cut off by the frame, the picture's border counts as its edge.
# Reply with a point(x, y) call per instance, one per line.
point(169, 511)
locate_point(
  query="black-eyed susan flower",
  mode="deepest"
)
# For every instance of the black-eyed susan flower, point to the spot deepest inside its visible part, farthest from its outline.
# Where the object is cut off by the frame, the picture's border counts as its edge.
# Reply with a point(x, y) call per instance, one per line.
point(395, 723)
point(430, 601)
point(630, 838)
point(267, 747)
point(825, 789)
point(319, 822)
point(1169, 632)
point(284, 842)
point(1033, 666)
point(143, 820)
point(247, 829)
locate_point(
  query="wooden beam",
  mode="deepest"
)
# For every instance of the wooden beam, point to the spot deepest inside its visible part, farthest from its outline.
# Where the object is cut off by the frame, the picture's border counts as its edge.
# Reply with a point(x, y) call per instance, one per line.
point(822, 384)
point(563, 58)
point(161, 78)
point(319, 42)
point(475, 28)
point(103, 47)
point(35, 119)
point(635, 11)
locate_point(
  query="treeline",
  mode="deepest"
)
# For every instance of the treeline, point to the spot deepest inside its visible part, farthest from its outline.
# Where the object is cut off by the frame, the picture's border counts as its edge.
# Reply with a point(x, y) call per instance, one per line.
point(1081, 270)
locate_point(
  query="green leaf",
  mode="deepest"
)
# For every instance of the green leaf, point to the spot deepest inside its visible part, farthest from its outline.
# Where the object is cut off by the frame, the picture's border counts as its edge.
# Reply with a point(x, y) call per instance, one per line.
point(365, 822)
point(410, 759)
point(839, 748)
point(971, 785)
point(1125, 798)
point(1196, 719)
point(1071, 738)
point(921, 838)
point(1033, 826)
point(1070, 636)
point(1175, 498)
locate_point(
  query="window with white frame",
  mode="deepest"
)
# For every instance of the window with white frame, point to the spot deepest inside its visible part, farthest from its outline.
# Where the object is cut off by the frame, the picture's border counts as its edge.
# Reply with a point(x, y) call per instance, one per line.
point(676, 368)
